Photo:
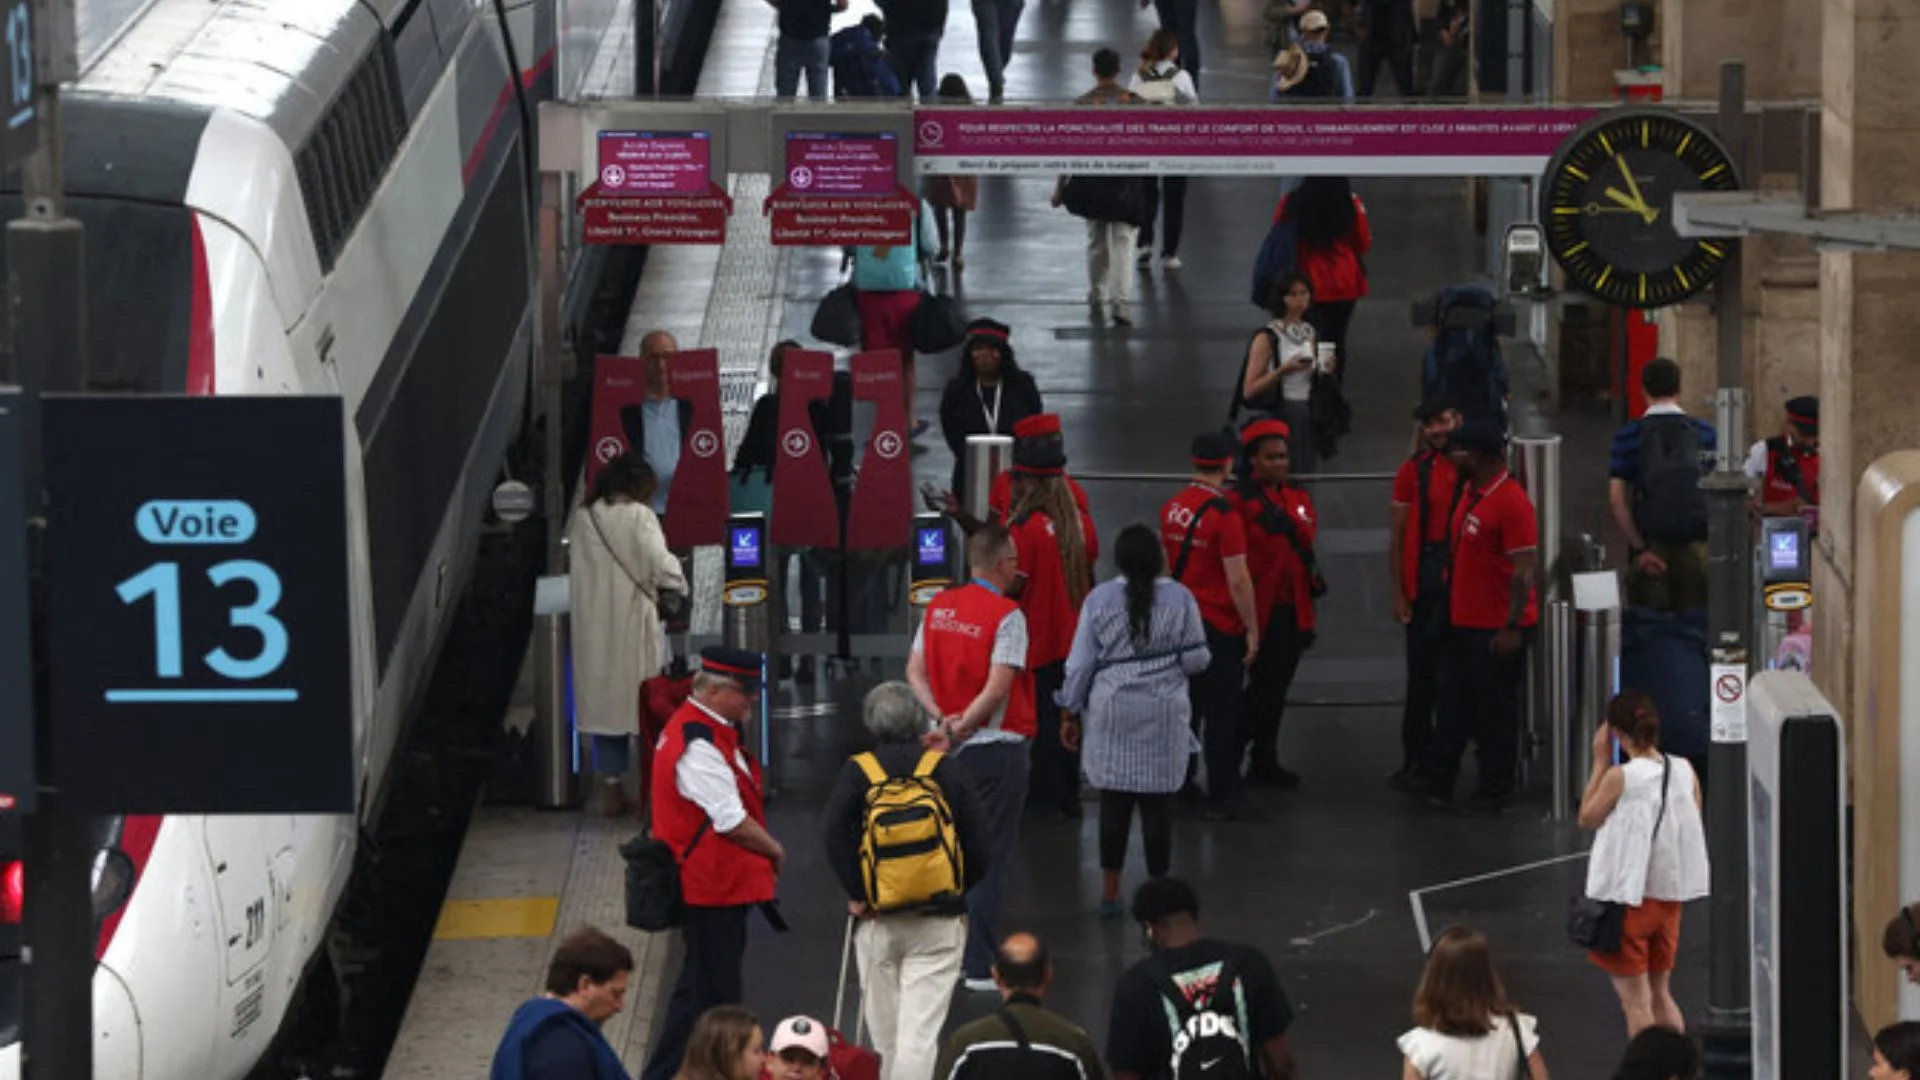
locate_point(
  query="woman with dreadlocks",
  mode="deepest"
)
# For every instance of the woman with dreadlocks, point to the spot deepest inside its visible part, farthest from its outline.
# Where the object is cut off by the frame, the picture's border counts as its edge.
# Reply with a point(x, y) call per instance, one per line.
point(1053, 555)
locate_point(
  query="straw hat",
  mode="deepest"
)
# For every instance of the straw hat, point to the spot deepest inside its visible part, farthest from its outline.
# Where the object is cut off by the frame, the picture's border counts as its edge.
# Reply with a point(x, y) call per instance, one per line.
point(1290, 68)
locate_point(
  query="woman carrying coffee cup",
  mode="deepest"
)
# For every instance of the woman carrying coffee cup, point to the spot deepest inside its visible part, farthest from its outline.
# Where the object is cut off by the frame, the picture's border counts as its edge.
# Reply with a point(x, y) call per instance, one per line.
point(1281, 360)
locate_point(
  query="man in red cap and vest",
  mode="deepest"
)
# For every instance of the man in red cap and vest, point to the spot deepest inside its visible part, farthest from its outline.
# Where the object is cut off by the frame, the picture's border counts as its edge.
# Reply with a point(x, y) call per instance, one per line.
point(1032, 433)
point(708, 806)
point(1206, 546)
point(1281, 525)
point(1788, 465)
point(968, 668)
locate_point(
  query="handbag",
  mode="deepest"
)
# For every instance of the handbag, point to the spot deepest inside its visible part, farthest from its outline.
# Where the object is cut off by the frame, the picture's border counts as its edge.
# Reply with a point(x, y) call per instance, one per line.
point(672, 606)
point(837, 320)
point(937, 324)
point(1121, 199)
point(1596, 925)
point(654, 899)
point(1519, 1046)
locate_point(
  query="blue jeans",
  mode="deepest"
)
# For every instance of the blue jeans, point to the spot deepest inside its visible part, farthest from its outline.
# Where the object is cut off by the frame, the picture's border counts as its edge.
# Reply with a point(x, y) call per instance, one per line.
point(612, 754)
point(915, 61)
point(998, 772)
point(794, 55)
point(995, 22)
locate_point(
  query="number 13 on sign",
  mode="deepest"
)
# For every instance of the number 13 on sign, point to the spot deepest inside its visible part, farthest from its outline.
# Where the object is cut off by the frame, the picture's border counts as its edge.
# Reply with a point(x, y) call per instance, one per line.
point(161, 582)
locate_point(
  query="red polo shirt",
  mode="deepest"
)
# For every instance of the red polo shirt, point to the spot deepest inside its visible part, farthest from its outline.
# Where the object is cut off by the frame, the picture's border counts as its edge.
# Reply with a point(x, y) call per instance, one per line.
point(1000, 503)
point(1219, 535)
point(1491, 525)
point(1279, 574)
point(1051, 618)
point(1434, 520)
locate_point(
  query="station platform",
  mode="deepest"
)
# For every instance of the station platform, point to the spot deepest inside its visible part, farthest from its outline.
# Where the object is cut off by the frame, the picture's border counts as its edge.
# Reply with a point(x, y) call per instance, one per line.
point(1337, 881)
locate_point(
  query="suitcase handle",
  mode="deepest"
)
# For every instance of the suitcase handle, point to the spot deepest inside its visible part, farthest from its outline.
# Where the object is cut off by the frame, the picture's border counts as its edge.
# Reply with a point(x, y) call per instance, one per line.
point(840, 988)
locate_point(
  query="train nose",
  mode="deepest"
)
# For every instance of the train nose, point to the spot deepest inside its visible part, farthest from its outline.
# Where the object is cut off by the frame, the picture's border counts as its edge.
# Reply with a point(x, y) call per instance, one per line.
point(116, 1033)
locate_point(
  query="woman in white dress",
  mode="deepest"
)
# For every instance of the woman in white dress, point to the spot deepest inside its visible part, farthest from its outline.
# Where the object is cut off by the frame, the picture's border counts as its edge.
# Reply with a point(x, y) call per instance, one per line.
point(1466, 1029)
point(1650, 855)
point(620, 568)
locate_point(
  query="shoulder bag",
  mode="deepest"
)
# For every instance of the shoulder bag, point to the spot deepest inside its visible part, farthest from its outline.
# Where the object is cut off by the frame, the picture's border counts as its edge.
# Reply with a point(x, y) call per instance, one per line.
point(1519, 1045)
point(671, 606)
point(1596, 925)
point(1193, 530)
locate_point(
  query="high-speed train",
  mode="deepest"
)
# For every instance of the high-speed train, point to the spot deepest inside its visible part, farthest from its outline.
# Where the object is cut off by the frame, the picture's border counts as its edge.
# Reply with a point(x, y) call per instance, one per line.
point(297, 197)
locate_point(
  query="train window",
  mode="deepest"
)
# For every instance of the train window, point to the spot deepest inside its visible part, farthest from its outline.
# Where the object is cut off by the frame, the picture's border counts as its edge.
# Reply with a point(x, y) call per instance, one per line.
point(346, 157)
point(113, 876)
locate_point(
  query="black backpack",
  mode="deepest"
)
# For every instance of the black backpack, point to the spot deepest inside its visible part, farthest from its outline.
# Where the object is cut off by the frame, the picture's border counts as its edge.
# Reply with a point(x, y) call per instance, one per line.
point(1322, 81)
point(1669, 506)
point(1207, 1043)
point(1463, 361)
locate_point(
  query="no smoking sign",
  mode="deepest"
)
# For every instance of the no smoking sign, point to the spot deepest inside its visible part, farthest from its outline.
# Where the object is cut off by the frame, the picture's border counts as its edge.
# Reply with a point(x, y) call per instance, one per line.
point(1728, 719)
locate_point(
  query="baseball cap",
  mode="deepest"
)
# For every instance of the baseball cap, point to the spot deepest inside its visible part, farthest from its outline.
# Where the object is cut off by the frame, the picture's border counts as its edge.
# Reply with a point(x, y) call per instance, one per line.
point(803, 1032)
point(1313, 20)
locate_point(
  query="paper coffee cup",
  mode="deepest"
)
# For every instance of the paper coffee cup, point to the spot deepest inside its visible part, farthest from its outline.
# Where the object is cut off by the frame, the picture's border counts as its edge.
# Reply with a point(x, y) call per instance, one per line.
point(1324, 355)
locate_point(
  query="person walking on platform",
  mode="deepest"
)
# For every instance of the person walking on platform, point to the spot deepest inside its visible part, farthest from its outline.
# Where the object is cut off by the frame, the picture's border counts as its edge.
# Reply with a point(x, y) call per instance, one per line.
point(620, 568)
point(1492, 610)
point(726, 1044)
point(1033, 433)
point(1021, 1040)
point(1387, 34)
point(989, 395)
point(952, 197)
point(1335, 238)
point(654, 427)
point(909, 953)
point(1195, 999)
point(1426, 489)
point(1161, 81)
point(914, 29)
point(1205, 544)
point(995, 23)
point(1281, 526)
point(886, 283)
point(968, 667)
point(1787, 465)
point(557, 1036)
point(799, 1050)
point(1181, 18)
point(1140, 639)
point(1115, 212)
point(708, 805)
point(802, 47)
point(1653, 489)
point(1465, 1026)
point(1659, 1053)
point(1649, 855)
point(1278, 376)
point(1045, 526)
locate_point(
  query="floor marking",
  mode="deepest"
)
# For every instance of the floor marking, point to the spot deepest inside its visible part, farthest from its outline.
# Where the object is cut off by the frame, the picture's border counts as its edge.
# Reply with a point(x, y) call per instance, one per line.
point(1332, 930)
point(1420, 911)
point(518, 917)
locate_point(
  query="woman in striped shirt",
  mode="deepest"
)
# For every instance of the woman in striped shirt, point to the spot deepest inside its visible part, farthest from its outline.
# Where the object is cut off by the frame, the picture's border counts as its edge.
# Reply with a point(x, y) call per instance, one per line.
point(1138, 642)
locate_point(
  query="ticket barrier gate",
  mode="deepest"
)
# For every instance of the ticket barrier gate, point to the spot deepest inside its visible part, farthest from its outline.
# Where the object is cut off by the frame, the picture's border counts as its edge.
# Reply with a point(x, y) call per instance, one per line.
point(1783, 583)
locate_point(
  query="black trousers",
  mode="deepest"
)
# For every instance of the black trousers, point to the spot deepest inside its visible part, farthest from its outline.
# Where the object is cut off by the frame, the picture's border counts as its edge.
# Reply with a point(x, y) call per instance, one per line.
point(1183, 18)
point(1156, 829)
point(1281, 646)
point(1168, 200)
point(1479, 701)
point(1330, 321)
point(1389, 40)
point(1054, 777)
point(1426, 646)
point(710, 974)
point(1218, 698)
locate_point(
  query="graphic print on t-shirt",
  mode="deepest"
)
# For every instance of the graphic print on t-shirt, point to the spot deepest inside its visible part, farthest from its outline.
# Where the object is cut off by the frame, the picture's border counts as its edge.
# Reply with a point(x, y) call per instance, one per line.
point(1205, 1037)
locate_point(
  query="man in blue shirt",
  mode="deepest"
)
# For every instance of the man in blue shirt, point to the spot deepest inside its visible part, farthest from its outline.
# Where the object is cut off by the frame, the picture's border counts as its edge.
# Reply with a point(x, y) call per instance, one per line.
point(654, 427)
point(556, 1036)
point(1654, 471)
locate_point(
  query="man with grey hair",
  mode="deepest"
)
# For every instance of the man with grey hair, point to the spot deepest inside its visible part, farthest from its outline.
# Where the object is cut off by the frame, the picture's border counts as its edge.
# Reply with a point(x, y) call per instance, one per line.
point(655, 425)
point(909, 956)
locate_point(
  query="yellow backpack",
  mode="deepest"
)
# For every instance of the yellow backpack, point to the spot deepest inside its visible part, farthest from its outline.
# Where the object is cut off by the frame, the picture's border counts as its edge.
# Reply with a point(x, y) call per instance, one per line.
point(909, 851)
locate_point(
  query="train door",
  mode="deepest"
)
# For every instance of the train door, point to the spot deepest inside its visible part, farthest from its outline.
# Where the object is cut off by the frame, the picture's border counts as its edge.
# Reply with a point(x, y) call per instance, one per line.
point(243, 892)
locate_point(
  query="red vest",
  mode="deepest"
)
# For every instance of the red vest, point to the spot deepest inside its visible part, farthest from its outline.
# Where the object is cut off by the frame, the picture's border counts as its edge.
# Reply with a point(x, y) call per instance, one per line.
point(957, 639)
point(1777, 487)
point(718, 872)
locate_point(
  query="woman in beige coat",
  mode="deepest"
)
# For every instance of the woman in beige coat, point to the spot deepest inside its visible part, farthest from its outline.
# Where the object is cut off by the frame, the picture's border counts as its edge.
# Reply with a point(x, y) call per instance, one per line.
point(621, 566)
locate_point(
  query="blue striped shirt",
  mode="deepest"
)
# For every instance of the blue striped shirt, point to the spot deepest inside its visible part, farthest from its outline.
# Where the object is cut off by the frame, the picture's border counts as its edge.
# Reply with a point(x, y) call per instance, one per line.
point(1133, 700)
point(1624, 457)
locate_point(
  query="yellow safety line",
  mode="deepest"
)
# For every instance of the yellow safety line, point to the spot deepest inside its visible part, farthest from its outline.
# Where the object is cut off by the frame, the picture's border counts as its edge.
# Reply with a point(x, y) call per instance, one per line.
point(515, 917)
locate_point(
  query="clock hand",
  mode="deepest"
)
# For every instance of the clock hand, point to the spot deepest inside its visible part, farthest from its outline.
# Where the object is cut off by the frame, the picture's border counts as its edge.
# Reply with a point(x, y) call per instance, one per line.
point(1596, 208)
point(1633, 185)
point(1639, 206)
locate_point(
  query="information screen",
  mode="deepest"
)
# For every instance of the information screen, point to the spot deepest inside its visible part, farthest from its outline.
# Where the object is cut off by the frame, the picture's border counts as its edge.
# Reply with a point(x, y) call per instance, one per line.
point(1783, 552)
point(743, 547)
point(930, 545)
point(655, 162)
point(843, 164)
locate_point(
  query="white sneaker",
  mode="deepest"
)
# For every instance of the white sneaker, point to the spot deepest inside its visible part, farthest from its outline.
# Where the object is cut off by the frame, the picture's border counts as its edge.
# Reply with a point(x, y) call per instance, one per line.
point(1171, 262)
point(978, 986)
point(1122, 315)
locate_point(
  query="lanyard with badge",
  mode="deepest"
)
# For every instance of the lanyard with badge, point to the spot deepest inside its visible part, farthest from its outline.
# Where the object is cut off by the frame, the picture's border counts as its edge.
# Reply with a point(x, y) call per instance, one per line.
point(992, 411)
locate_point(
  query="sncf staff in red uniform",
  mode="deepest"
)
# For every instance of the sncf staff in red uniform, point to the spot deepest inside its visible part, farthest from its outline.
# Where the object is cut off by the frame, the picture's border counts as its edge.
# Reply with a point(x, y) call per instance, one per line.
point(968, 667)
point(1788, 465)
point(1042, 433)
point(1425, 492)
point(1280, 525)
point(1046, 529)
point(708, 806)
point(1492, 609)
point(1206, 546)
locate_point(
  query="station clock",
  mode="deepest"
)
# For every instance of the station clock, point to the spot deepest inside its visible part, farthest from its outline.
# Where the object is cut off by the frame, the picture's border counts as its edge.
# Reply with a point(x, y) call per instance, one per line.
point(1606, 205)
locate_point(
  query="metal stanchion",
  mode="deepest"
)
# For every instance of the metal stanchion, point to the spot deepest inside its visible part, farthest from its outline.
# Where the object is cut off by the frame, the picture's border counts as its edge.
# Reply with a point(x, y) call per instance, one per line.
point(1556, 645)
point(747, 609)
point(1596, 652)
point(552, 723)
point(1535, 462)
point(987, 457)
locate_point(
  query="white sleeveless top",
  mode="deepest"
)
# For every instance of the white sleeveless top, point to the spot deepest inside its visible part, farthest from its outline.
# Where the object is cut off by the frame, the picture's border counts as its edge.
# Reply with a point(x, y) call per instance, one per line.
point(1294, 385)
point(1492, 1056)
point(1629, 863)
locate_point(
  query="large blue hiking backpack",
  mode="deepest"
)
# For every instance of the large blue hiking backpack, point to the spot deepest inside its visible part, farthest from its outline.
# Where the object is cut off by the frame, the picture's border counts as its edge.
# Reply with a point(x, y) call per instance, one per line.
point(860, 67)
point(1463, 361)
point(1279, 254)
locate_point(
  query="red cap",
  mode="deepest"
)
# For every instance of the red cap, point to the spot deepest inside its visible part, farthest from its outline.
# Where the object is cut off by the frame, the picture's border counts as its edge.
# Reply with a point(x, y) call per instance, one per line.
point(1032, 427)
point(1264, 429)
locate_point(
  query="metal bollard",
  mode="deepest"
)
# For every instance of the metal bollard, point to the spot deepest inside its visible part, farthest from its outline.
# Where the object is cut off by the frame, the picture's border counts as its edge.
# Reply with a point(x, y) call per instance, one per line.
point(987, 457)
point(1596, 631)
point(1535, 462)
point(1556, 645)
point(552, 732)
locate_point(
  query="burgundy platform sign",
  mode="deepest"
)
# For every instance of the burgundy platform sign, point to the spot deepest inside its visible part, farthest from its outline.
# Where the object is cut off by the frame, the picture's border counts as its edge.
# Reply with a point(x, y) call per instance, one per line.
point(841, 188)
point(654, 187)
point(804, 511)
point(697, 500)
point(619, 382)
point(881, 511)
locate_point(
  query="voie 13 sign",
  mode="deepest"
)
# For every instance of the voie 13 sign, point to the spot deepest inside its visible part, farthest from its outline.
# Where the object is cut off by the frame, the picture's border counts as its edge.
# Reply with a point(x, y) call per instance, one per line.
point(198, 604)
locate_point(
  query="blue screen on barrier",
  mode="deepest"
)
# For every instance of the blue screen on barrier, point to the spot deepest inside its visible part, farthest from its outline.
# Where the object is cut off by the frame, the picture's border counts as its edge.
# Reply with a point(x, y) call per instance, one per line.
point(930, 545)
point(743, 548)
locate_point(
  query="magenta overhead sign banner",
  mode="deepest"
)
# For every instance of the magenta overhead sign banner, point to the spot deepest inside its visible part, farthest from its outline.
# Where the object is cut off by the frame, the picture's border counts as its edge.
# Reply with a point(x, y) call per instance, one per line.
point(1255, 141)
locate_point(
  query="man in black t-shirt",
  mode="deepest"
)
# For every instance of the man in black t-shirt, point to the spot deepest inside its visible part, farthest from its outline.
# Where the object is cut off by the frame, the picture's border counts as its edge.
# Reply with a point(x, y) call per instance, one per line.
point(1145, 1020)
point(803, 46)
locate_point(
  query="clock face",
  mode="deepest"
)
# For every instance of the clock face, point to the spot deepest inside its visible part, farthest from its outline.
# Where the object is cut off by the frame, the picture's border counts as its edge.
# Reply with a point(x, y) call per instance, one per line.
point(1607, 207)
